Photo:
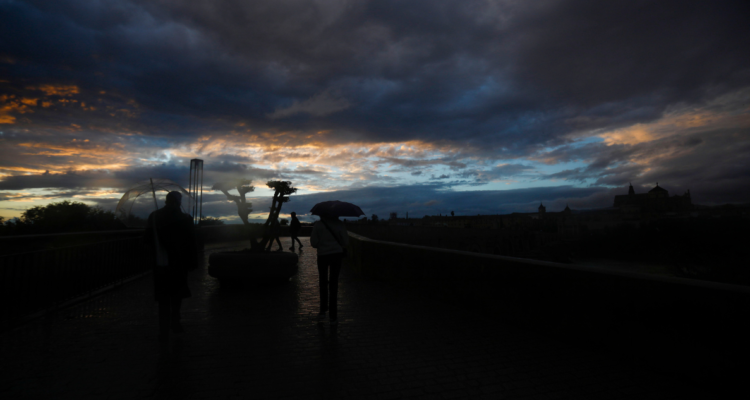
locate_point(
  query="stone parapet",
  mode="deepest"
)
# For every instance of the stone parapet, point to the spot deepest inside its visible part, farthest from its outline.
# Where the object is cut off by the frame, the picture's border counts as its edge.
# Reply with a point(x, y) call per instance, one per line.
point(692, 326)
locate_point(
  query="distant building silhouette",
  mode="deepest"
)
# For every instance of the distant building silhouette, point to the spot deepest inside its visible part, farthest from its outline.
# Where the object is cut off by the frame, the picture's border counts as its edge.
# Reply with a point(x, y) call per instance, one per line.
point(630, 209)
point(656, 200)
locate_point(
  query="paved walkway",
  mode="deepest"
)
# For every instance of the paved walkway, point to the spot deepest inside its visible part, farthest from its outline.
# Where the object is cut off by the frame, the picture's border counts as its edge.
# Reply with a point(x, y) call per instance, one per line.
point(265, 342)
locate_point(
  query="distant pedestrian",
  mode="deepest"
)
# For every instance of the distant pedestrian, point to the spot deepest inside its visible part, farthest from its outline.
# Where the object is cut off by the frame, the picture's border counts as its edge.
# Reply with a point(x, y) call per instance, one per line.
point(294, 228)
point(170, 239)
point(275, 231)
point(330, 238)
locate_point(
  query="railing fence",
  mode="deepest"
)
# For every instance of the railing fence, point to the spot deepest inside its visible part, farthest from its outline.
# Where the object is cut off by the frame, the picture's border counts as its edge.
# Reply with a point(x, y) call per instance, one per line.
point(37, 281)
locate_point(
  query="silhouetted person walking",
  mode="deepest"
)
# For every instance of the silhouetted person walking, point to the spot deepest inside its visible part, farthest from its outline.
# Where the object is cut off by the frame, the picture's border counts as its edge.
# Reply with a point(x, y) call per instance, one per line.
point(330, 238)
point(275, 231)
point(294, 228)
point(169, 235)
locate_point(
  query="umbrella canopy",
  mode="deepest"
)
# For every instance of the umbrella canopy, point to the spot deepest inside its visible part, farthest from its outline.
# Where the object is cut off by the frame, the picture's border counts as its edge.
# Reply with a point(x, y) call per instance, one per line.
point(335, 208)
point(138, 202)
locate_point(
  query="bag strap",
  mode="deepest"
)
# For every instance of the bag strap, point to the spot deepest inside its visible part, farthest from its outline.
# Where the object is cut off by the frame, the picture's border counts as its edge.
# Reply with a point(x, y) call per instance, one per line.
point(332, 233)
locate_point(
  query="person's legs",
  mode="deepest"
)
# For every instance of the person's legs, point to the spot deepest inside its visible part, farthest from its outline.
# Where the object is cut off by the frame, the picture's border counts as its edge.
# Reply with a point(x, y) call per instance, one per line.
point(295, 238)
point(333, 284)
point(165, 310)
point(175, 316)
point(278, 241)
point(323, 281)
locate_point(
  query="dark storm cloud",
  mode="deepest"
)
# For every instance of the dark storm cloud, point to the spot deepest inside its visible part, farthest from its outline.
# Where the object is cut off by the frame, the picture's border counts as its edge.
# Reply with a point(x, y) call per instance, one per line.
point(125, 178)
point(68, 180)
point(231, 158)
point(602, 52)
point(504, 75)
point(490, 81)
point(168, 70)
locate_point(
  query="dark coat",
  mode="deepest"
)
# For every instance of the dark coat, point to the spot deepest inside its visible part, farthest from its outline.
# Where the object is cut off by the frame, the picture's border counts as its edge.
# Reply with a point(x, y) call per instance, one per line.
point(295, 226)
point(176, 234)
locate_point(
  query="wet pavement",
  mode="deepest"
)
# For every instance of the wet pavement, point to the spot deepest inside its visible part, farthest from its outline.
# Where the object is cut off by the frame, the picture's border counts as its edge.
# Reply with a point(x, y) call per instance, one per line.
point(265, 342)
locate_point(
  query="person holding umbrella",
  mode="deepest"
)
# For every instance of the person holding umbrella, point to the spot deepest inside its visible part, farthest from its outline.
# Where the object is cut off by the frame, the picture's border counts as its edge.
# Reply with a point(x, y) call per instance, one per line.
point(329, 236)
point(173, 252)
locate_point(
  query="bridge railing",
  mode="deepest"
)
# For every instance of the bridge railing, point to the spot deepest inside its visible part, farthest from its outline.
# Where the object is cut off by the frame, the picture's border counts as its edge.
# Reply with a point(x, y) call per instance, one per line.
point(32, 282)
point(688, 327)
point(43, 272)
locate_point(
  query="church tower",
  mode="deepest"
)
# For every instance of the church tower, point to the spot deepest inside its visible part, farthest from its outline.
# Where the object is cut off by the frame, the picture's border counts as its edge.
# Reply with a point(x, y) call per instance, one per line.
point(631, 191)
point(542, 208)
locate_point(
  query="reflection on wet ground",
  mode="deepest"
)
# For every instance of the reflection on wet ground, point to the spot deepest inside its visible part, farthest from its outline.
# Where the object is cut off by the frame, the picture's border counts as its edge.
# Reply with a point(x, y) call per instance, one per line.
point(264, 341)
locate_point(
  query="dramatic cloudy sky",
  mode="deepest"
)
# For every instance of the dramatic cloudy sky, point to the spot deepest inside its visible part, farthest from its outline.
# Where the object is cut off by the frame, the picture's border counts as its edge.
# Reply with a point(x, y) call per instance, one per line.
point(475, 106)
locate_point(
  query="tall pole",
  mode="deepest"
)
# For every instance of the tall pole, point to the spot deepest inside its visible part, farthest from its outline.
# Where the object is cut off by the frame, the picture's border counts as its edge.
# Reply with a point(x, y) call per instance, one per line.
point(196, 189)
point(200, 204)
point(191, 180)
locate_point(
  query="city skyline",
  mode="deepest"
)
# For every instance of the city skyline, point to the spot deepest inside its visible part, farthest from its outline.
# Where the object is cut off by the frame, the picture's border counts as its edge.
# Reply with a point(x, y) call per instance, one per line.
point(488, 107)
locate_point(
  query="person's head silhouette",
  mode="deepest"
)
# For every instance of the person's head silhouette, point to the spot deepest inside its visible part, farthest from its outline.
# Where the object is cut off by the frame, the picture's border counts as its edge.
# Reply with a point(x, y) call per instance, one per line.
point(294, 214)
point(174, 199)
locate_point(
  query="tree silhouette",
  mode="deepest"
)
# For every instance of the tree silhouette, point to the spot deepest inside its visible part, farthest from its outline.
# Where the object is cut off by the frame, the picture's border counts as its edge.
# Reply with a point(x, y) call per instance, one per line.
point(282, 191)
point(60, 217)
point(243, 187)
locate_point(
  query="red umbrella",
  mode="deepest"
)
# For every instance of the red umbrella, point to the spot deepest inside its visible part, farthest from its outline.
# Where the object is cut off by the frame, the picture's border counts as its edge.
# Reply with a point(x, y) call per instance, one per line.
point(335, 208)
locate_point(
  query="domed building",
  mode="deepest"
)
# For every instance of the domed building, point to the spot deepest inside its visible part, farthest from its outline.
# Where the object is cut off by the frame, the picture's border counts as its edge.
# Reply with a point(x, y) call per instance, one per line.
point(656, 200)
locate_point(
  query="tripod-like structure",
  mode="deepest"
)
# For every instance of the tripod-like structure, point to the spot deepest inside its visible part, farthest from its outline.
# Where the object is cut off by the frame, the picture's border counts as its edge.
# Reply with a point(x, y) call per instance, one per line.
point(282, 191)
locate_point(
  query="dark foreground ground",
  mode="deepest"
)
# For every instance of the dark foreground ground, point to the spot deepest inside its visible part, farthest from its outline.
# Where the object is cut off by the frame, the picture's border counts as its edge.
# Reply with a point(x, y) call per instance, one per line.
point(265, 342)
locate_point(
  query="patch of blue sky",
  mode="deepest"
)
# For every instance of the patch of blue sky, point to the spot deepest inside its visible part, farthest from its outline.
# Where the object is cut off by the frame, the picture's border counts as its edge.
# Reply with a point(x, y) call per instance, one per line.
point(509, 184)
point(154, 142)
point(587, 141)
point(535, 177)
point(577, 143)
point(547, 169)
